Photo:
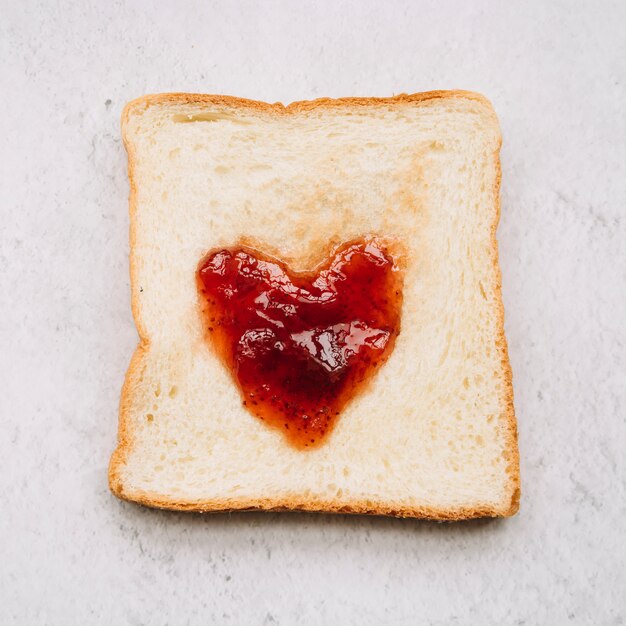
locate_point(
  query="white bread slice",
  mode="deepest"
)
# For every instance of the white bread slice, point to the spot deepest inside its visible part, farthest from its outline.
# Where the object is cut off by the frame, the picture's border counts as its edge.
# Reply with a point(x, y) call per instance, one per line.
point(433, 435)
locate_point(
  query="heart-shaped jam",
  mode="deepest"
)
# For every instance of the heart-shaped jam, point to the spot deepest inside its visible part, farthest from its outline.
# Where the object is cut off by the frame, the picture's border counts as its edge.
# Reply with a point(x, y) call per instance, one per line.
point(300, 344)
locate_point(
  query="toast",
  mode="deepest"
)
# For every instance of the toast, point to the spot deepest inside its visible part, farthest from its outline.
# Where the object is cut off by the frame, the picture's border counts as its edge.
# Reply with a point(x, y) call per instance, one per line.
point(433, 433)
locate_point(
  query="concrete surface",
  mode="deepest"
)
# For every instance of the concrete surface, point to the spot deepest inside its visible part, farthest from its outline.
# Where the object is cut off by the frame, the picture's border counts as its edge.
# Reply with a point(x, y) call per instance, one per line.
point(70, 553)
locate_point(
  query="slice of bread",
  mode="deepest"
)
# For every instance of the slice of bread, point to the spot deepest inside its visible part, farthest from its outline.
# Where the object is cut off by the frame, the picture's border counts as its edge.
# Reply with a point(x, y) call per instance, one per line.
point(433, 434)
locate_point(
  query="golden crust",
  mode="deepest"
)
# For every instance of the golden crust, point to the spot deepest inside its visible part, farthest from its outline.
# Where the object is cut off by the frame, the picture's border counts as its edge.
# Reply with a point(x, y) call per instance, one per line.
point(508, 418)
point(294, 107)
point(366, 507)
point(134, 373)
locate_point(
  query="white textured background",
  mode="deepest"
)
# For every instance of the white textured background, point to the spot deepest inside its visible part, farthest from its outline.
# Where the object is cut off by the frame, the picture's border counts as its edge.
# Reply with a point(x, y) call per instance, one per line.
point(70, 553)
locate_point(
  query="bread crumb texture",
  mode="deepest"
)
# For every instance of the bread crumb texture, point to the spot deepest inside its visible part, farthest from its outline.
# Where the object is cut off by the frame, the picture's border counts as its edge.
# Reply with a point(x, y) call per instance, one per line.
point(434, 433)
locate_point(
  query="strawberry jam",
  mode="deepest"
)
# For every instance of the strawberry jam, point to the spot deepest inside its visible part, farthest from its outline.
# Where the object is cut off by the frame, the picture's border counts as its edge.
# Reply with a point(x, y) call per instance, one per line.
point(300, 344)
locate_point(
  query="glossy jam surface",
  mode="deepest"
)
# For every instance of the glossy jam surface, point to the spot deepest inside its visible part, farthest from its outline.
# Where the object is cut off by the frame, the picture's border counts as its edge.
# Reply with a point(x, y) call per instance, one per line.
point(300, 344)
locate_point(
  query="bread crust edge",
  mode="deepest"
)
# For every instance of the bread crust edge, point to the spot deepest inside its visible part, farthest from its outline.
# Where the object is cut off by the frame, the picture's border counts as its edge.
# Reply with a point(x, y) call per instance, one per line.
point(368, 507)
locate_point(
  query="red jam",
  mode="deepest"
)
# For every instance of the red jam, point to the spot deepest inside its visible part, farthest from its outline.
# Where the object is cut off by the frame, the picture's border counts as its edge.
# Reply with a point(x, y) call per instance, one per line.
point(300, 344)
